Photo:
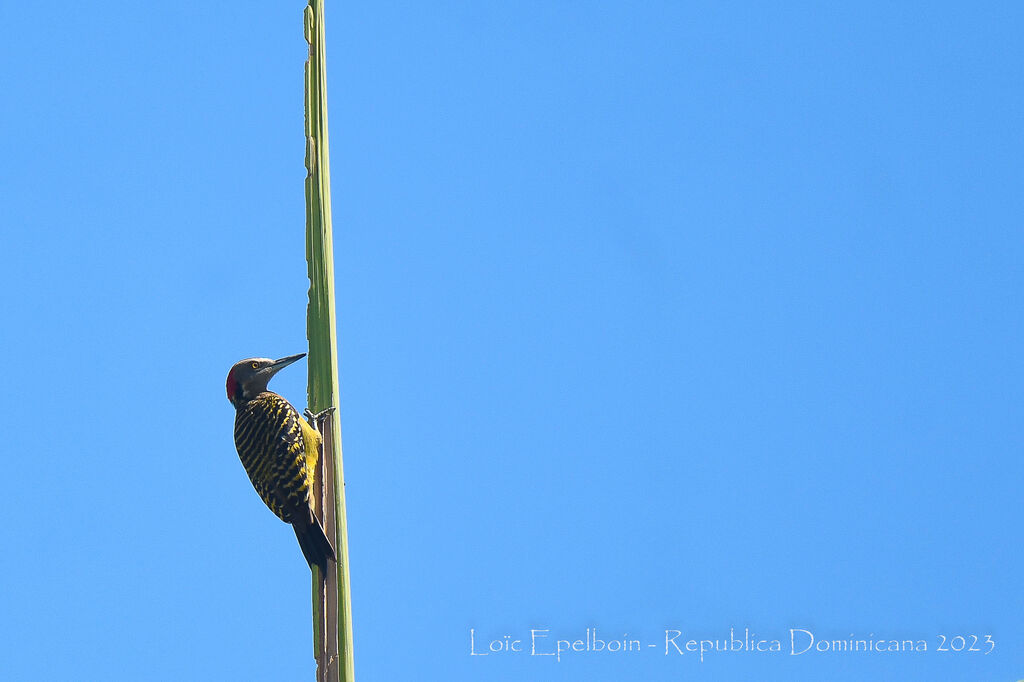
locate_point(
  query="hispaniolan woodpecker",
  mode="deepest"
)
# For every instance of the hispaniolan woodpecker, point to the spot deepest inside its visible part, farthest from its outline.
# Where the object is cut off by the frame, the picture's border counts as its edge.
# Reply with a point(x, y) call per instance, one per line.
point(279, 450)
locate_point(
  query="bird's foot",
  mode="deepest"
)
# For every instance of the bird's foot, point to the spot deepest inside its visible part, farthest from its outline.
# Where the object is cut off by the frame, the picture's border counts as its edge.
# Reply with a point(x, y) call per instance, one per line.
point(315, 419)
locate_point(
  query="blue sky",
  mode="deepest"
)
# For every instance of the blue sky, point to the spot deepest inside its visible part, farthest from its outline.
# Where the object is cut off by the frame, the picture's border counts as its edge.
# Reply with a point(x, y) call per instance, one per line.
point(653, 317)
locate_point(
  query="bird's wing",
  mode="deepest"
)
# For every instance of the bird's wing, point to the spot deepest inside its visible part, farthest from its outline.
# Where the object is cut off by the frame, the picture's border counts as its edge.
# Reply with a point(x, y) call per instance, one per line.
point(272, 446)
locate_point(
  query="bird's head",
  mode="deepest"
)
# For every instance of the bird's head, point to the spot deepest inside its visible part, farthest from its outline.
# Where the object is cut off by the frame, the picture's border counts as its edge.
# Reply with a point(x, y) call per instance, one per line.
point(248, 378)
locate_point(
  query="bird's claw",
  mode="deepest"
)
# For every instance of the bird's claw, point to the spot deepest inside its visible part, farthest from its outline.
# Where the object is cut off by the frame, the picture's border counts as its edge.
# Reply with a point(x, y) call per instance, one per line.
point(314, 419)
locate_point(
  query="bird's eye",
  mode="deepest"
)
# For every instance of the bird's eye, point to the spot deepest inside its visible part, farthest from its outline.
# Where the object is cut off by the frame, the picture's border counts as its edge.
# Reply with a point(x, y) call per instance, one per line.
point(255, 365)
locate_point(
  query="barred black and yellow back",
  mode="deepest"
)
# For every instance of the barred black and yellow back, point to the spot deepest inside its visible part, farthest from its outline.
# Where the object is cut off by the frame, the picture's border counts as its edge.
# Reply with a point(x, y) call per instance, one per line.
point(279, 451)
point(272, 449)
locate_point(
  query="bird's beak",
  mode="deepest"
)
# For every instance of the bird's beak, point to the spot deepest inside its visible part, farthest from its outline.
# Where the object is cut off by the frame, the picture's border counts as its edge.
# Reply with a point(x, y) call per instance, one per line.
point(278, 365)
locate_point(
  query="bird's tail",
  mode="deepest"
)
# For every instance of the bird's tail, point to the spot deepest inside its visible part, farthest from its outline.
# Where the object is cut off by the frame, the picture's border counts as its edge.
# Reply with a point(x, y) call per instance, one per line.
point(314, 543)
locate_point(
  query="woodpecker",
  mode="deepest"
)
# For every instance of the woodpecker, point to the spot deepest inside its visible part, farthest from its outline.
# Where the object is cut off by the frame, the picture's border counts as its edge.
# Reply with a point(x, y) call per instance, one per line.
point(279, 450)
